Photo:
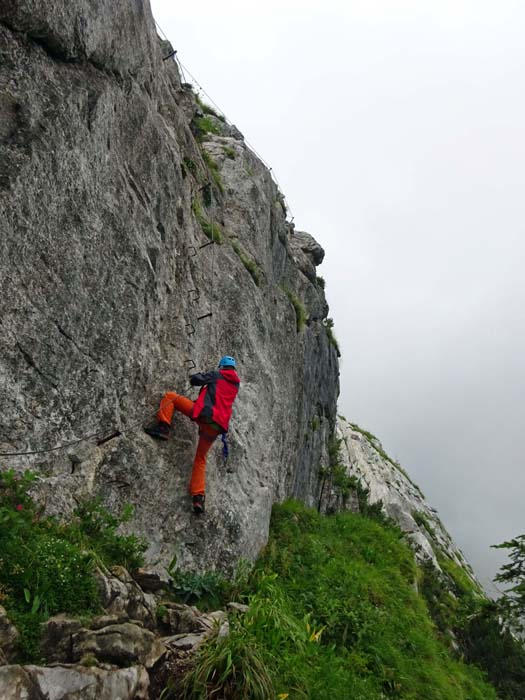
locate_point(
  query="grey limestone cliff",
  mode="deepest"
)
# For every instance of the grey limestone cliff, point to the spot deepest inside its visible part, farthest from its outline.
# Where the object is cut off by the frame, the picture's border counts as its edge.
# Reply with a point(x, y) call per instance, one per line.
point(111, 181)
point(363, 457)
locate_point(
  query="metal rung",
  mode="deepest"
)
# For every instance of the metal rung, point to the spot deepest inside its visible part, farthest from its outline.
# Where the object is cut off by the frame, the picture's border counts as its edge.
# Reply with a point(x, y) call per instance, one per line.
point(197, 294)
point(205, 245)
point(199, 318)
point(190, 248)
point(191, 364)
point(190, 329)
point(169, 55)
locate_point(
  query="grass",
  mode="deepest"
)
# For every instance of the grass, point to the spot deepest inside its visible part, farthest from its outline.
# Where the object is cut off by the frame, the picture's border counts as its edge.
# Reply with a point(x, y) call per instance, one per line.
point(212, 230)
point(208, 109)
point(333, 614)
point(249, 264)
point(301, 315)
point(47, 566)
point(203, 126)
point(329, 327)
point(229, 152)
point(214, 170)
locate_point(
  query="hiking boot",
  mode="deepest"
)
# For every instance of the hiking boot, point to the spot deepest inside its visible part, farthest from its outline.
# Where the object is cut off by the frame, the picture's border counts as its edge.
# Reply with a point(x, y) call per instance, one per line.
point(198, 504)
point(158, 430)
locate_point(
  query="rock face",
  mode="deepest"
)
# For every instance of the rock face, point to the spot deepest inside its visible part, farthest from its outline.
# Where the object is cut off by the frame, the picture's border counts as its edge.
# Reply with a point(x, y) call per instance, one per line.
point(363, 457)
point(109, 181)
point(63, 682)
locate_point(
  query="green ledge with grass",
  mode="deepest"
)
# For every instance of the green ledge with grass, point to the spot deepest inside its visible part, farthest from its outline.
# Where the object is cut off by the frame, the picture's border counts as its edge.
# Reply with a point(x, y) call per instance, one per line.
point(333, 614)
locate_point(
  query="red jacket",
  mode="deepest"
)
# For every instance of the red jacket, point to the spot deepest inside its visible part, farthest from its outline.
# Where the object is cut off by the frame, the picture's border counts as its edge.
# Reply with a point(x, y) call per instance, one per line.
point(219, 390)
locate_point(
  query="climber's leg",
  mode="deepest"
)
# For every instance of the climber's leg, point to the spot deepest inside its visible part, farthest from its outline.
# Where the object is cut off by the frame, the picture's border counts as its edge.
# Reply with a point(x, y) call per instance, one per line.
point(169, 403)
point(207, 436)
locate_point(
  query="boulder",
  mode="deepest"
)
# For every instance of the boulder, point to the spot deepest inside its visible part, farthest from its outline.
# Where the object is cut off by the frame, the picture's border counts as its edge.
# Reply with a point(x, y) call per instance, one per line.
point(122, 644)
point(150, 580)
point(122, 595)
point(64, 682)
point(17, 684)
point(57, 638)
point(178, 618)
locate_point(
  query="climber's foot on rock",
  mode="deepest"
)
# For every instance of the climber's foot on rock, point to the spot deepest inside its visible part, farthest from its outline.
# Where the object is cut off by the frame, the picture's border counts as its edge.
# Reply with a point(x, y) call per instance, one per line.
point(158, 430)
point(198, 504)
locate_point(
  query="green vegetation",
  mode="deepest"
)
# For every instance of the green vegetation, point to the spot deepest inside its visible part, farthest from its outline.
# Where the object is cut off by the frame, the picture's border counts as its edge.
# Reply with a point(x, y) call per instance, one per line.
point(214, 169)
point(422, 520)
point(190, 166)
point(212, 230)
point(249, 264)
point(301, 316)
point(229, 152)
point(320, 281)
point(512, 574)
point(333, 614)
point(204, 125)
point(467, 621)
point(47, 566)
point(208, 109)
point(329, 327)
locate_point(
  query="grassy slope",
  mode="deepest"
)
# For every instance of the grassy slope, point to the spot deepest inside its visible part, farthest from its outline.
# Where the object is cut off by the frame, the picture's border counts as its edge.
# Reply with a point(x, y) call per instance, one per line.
point(353, 579)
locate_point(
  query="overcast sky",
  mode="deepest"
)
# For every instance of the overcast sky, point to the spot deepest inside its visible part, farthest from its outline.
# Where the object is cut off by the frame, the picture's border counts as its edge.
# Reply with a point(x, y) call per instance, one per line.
point(396, 129)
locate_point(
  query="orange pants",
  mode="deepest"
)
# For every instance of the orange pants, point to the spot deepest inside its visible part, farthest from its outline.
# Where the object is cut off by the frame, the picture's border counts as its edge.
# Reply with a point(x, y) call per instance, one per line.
point(172, 402)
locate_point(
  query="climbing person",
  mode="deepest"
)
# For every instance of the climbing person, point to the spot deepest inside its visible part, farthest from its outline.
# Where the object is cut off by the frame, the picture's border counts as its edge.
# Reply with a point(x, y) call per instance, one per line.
point(211, 411)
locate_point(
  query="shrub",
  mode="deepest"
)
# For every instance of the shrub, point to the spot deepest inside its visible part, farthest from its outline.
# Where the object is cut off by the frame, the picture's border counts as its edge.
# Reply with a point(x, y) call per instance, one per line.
point(47, 566)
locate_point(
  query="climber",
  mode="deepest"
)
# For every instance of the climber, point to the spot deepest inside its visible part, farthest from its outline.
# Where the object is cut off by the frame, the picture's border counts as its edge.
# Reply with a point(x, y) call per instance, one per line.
point(212, 412)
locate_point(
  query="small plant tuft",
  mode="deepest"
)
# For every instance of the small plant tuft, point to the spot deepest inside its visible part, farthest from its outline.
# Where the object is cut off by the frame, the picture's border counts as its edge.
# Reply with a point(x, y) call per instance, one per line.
point(212, 230)
point(214, 170)
point(249, 264)
point(328, 323)
point(208, 109)
point(229, 152)
point(301, 315)
point(202, 126)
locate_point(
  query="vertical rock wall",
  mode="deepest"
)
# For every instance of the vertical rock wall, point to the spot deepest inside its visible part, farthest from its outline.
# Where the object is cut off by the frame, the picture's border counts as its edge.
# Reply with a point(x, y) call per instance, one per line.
point(107, 188)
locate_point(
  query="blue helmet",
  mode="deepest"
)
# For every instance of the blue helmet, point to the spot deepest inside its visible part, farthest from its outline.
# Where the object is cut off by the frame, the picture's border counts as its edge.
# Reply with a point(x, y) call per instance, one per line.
point(227, 361)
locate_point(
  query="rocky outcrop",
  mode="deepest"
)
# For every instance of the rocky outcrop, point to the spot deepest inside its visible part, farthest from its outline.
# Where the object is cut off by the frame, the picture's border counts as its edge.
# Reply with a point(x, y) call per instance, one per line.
point(110, 183)
point(111, 656)
point(364, 458)
point(64, 682)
